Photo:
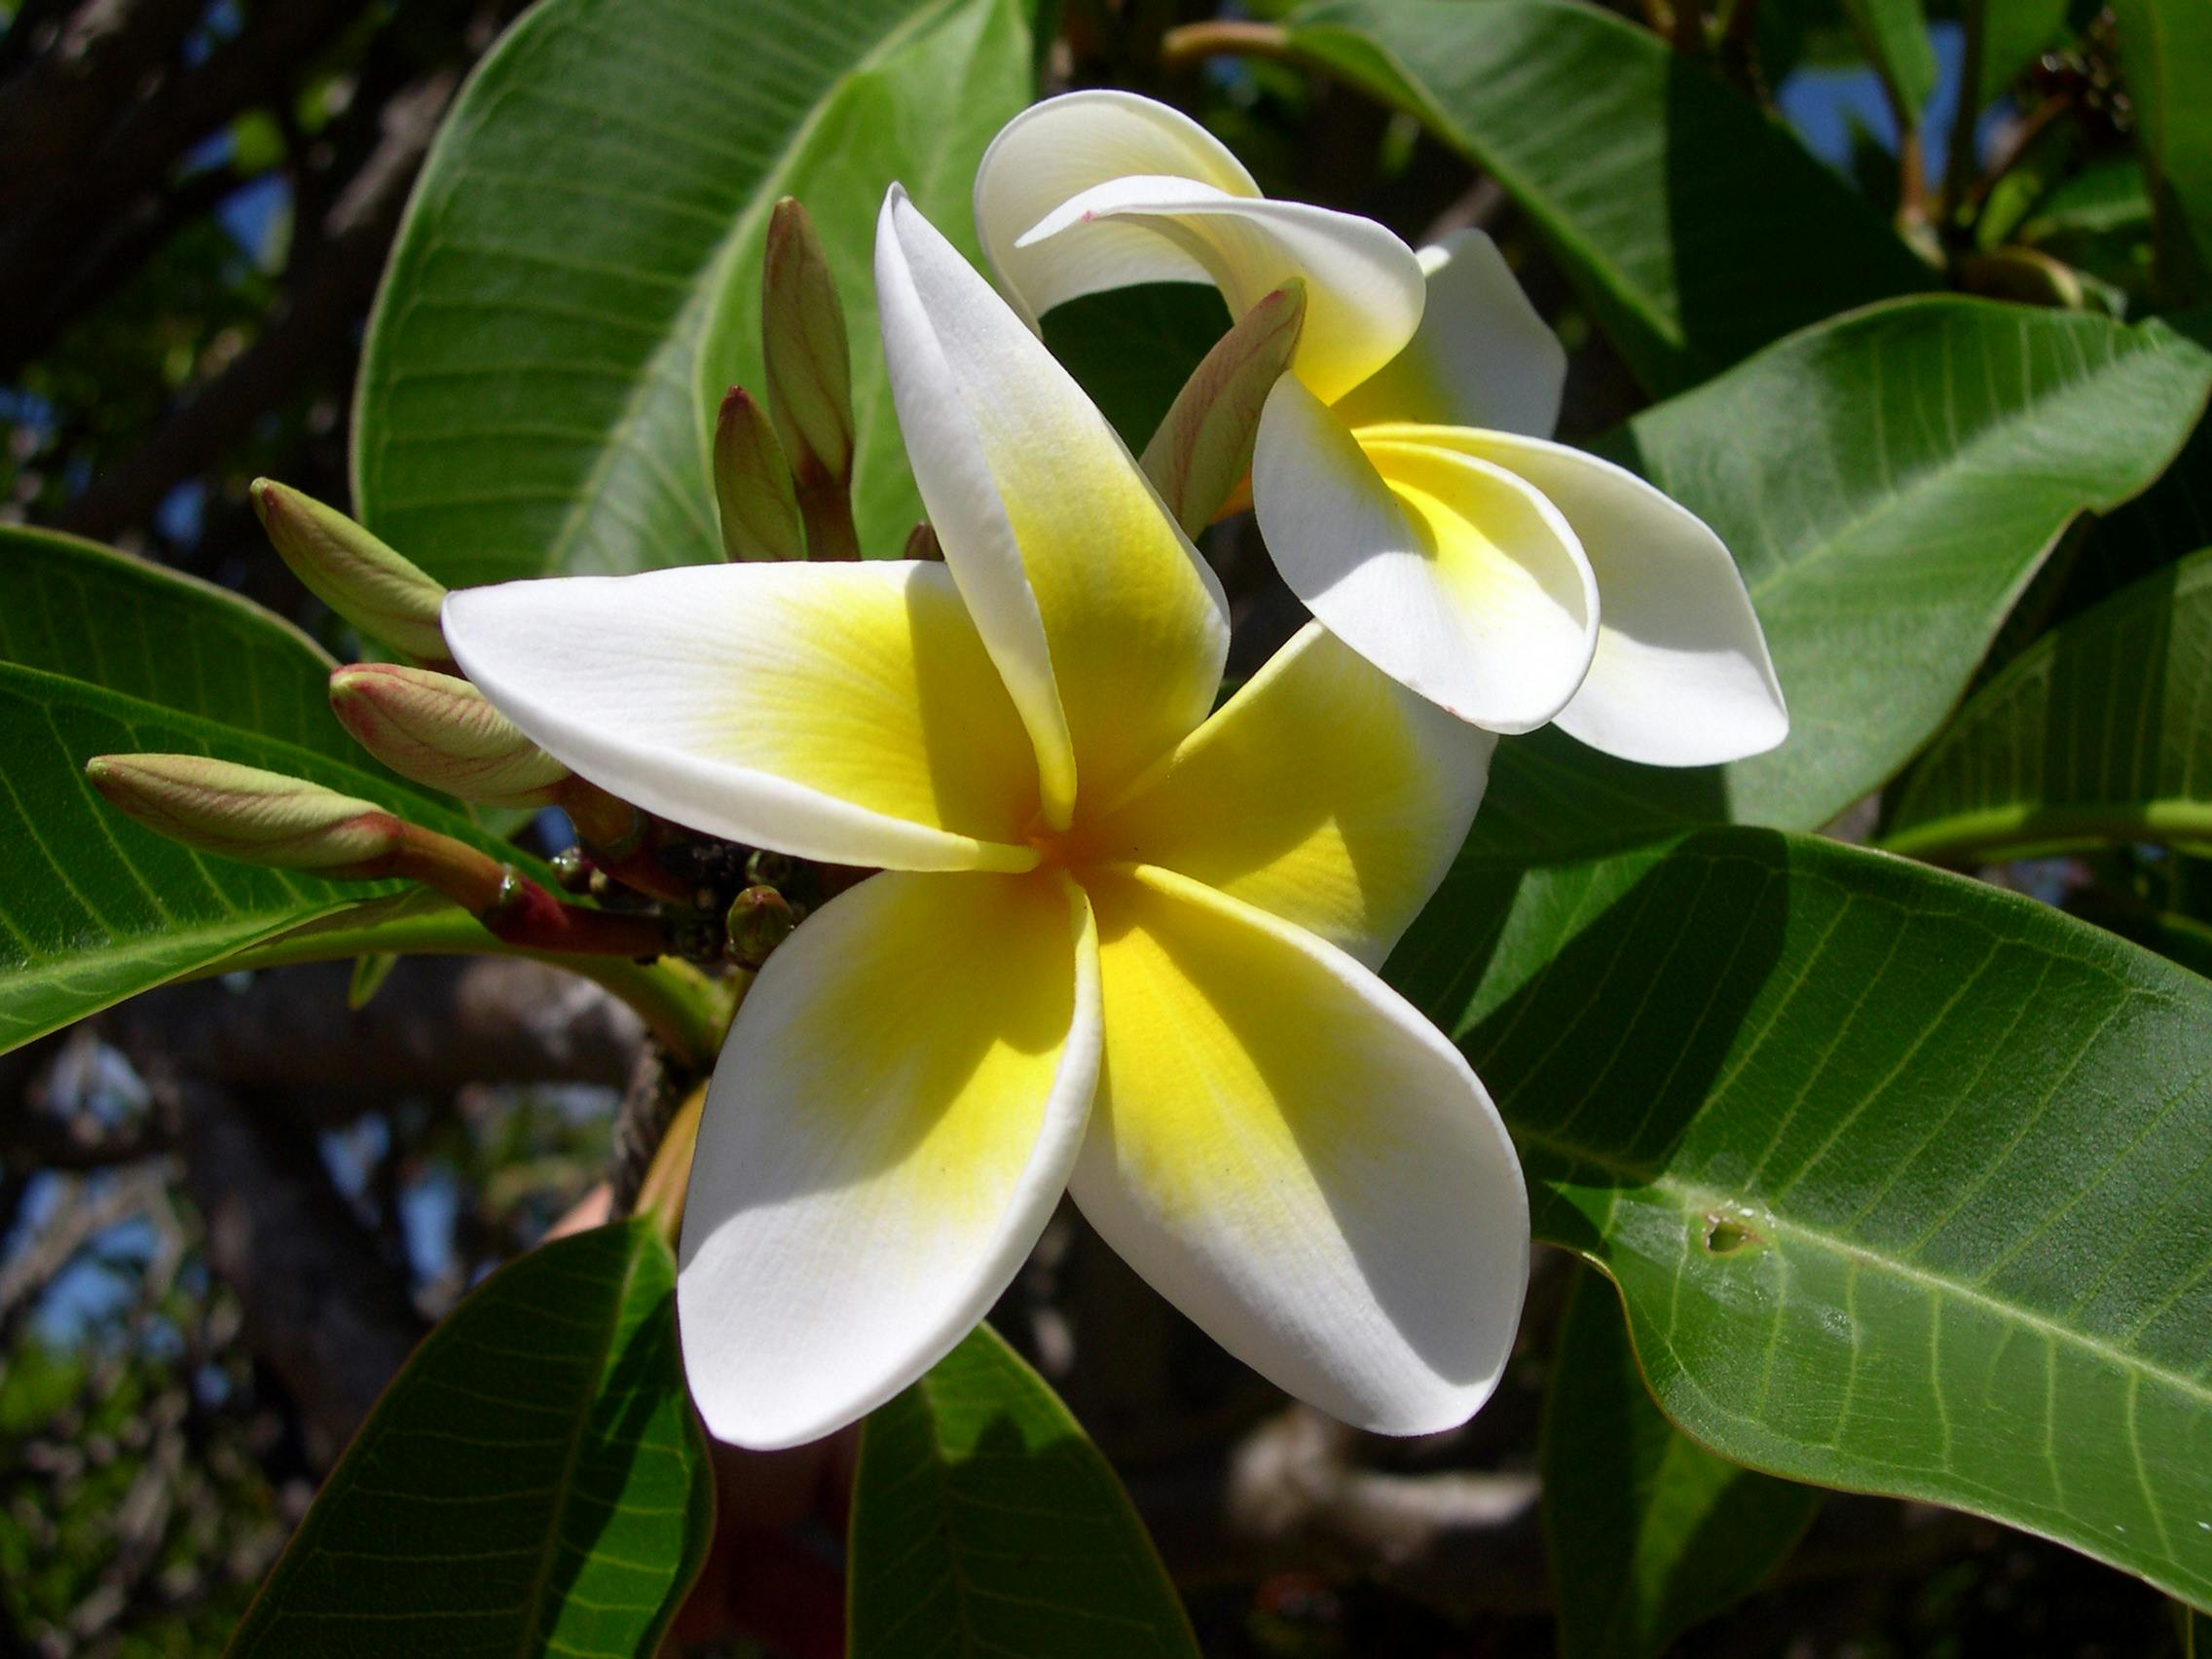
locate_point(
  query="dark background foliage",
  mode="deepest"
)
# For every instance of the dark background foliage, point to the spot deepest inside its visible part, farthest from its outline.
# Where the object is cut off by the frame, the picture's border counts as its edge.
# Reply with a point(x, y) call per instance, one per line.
point(228, 1210)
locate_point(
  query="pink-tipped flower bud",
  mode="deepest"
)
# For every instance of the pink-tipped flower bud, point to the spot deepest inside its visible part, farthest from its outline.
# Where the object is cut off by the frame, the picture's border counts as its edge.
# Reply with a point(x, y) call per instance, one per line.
point(439, 730)
point(382, 594)
point(245, 813)
point(1203, 448)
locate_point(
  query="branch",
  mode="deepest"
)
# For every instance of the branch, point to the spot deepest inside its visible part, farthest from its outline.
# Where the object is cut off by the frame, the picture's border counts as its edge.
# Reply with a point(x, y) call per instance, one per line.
point(437, 1024)
point(312, 328)
point(321, 1306)
point(54, 110)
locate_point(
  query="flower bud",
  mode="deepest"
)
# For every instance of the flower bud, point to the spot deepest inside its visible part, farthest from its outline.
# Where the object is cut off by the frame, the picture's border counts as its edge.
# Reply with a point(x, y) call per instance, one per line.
point(753, 483)
point(439, 730)
point(241, 812)
point(1203, 448)
point(802, 340)
point(351, 571)
point(759, 919)
point(922, 543)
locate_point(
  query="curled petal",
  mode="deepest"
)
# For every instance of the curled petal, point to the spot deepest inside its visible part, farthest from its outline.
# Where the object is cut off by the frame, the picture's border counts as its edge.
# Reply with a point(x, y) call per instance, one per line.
point(1364, 289)
point(838, 712)
point(1324, 793)
point(1108, 627)
point(888, 1127)
point(1064, 146)
point(1681, 676)
point(1482, 357)
point(1299, 1162)
point(1449, 574)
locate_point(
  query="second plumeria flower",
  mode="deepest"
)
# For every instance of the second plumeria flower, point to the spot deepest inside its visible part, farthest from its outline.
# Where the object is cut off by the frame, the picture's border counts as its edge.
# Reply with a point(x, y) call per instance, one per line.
point(1119, 945)
point(1404, 480)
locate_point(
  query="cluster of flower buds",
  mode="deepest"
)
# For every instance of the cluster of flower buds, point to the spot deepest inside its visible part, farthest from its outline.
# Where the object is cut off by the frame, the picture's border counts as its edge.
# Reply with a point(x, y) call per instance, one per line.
point(783, 479)
point(661, 889)
point(784, 473)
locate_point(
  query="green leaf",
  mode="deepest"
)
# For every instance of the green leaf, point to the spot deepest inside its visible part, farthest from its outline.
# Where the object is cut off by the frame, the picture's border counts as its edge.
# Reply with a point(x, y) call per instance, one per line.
point(98, 907)
point(1132, 349)
point(2013, 32)
point(1895, 33)
point(534, 1481)
point(2093, 734)
point(1694, 226)
point(986, 1521)
point(577, 279)
point(1889, 482)
point(2165, 48)
point(77, 608)
point(1648, 1533)
point(1901, 1177)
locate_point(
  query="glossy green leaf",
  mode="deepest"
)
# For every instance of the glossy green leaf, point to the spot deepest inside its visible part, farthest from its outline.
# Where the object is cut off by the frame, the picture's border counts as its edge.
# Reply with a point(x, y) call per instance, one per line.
point(2165, 49)
point(1888, 482)
point(1648, 1533)
point(2096, 733)
point(577, 280)
point(98, 907)
point(74, 608)
point(1895, 33)
point(986, 1521)
point(1695, 227)
point(534, 1482)
point(1903, 1178)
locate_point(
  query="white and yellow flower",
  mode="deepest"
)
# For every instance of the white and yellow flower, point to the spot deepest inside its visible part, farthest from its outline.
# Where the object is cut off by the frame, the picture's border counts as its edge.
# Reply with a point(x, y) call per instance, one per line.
point(1118, 946)
point(1404, 480)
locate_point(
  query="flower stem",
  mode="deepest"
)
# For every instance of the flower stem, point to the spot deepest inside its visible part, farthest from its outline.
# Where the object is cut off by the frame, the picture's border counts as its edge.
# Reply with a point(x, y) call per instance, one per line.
point(2029, 829)
point(1186, 43)
point(681, 1006)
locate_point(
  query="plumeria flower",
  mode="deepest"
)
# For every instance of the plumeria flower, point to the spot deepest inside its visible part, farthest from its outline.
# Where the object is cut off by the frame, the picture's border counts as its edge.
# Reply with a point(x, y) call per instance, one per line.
point(1404, 479)
point(1118, 946)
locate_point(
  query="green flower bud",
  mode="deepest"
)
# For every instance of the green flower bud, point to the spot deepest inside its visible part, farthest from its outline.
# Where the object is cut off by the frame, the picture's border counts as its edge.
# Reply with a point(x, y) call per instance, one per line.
point(441, 731)
point(1203, 448)
point(241, 812)
point(802, 340)
point(759, 919)
point(351, 571)
point(753, 483)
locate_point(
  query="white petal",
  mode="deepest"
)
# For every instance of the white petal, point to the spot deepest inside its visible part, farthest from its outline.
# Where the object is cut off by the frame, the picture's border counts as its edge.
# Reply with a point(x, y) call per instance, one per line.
point(1324, 793)
point(1681, 676)
point(1364, 288)
point(1108, 627)
point(839, 712)
point(888, 1127)
point(1297, 1160)
point(1063, 146)
point(1450, 575)
point(1483, 357)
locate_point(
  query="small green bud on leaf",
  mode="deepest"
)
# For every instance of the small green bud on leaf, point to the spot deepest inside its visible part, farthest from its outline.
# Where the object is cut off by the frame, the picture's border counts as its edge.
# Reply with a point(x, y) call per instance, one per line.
point(759, 919)
point(802, 340)
point(243, 812)
point(381, 593)
point(753, 483)
point(439, 730)
point(1203, 448)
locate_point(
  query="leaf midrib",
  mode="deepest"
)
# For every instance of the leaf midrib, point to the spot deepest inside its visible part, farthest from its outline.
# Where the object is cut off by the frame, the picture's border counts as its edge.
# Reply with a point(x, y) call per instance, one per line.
point(526, 1641)
point(1698, 1195)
